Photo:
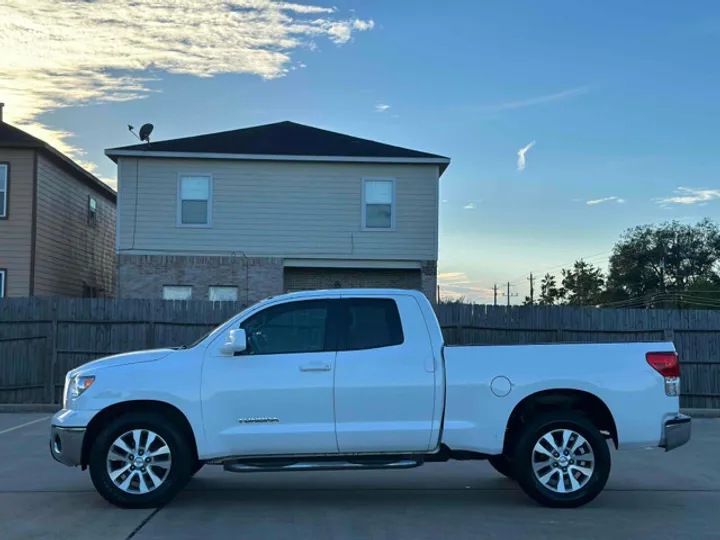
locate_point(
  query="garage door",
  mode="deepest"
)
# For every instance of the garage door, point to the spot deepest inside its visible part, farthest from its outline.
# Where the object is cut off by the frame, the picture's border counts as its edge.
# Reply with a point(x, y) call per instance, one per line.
point(302, 279)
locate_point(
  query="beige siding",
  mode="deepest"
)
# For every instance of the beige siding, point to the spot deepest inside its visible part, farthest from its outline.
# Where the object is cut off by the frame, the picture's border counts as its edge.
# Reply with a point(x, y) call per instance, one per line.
point(15, 231)
point(70, 253)
point(308, 210)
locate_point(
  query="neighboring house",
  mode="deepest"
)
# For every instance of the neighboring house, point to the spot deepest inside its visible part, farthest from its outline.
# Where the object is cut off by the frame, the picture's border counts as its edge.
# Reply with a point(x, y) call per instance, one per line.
point(281, 207)
point(57, 222)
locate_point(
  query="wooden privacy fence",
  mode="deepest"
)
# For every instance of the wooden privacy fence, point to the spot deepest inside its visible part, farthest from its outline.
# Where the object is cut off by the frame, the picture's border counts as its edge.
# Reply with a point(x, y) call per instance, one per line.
point(42, 338)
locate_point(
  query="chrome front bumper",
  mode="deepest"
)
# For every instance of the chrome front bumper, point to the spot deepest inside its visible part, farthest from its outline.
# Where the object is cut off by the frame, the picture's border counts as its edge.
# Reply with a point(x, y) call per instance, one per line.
point(66, 445)
point(676, 432)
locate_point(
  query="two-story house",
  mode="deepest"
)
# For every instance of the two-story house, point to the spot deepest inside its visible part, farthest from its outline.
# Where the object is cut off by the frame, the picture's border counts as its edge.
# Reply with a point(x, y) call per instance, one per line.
point(57, 222)
point(254, 212)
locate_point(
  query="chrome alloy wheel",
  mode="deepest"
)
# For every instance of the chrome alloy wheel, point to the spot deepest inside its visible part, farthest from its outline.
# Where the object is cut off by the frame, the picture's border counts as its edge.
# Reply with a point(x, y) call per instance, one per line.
point(139, 461)
point(563, 461)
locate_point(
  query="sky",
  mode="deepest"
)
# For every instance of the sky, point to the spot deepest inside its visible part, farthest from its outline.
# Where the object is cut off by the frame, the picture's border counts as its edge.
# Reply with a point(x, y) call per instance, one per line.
point(567, 122)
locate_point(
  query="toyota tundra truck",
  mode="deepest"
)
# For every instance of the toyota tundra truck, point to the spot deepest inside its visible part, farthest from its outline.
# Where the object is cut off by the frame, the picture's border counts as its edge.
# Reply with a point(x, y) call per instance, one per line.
point(350, 379)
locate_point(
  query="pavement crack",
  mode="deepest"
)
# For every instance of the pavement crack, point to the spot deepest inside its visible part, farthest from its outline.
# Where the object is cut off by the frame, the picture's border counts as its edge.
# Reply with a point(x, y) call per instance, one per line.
point(143, 523)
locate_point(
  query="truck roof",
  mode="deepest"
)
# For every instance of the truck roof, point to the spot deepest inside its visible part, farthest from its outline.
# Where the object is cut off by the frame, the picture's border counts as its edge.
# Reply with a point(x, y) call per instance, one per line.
point(348, 291)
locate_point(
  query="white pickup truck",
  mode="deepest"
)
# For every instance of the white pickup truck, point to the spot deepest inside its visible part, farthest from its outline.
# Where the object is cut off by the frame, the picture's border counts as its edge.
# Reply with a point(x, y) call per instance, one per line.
point(361, 379)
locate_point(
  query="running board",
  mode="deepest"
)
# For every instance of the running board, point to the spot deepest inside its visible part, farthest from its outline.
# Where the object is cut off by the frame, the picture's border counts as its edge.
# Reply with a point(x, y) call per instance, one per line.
point(240, 467)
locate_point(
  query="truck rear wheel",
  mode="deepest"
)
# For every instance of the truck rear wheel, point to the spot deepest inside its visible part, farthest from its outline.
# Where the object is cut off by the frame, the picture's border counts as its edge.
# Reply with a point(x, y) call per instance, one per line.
point(561, 460)
point(140, 460)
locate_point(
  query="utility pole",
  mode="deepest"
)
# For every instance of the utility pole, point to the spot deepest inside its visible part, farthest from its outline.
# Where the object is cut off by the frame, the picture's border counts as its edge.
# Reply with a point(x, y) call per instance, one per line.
point(495, 291)
point(508, 294)
point(531, 279)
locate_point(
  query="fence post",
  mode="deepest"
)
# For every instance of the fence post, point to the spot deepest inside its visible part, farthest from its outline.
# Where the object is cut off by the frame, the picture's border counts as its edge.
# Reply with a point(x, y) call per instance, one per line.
point(559, 335)
point(150, 335)
point(50, 383)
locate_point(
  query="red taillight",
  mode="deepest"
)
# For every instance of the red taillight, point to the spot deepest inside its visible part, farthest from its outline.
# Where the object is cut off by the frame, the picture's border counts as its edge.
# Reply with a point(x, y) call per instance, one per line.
point(665, 363)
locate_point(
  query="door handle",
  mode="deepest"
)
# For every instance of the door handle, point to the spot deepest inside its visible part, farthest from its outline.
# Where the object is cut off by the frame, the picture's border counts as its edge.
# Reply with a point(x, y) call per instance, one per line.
point(315, 367)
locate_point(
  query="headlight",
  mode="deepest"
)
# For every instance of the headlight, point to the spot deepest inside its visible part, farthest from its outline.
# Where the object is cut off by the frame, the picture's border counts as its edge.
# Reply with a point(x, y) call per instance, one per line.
point(77, 385)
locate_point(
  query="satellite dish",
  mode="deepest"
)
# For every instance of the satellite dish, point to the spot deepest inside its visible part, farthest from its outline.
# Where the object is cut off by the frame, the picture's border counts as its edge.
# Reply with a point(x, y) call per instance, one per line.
point(145, 132)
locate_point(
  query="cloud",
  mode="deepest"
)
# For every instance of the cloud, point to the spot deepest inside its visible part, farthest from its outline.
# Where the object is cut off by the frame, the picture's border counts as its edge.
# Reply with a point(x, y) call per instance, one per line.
point(539, 100)
point(614, 199)
point(63, 53)
point(455, 285)
point(382, 107)
point(686, 195)
point(472, 205)
point(521, 156)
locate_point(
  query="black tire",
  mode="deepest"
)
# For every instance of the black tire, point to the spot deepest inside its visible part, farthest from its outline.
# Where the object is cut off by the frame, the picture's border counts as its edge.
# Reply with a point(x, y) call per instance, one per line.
point(177, 477)
point(196, 468)
point(531, 433)
point(502, 465)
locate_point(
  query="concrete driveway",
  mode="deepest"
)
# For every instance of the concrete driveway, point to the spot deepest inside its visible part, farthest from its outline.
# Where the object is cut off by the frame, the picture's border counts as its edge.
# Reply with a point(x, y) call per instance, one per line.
point(650, 494)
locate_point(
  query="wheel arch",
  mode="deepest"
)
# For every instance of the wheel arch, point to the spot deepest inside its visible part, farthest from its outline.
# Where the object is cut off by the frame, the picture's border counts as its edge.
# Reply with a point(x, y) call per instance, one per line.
point(575, 400)
point(175, 415)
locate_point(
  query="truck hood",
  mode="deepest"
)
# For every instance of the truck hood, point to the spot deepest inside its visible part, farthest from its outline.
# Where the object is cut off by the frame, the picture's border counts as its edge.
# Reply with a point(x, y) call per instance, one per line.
point(122, 360)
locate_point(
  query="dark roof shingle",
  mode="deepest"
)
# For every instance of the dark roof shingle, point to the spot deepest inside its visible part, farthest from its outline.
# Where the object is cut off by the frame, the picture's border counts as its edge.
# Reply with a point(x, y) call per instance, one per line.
point(12, 137)
point(280, 139)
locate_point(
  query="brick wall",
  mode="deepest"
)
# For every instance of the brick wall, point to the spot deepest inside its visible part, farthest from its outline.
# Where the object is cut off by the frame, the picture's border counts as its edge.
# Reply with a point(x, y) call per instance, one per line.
point(428, 283)
point(143, 276)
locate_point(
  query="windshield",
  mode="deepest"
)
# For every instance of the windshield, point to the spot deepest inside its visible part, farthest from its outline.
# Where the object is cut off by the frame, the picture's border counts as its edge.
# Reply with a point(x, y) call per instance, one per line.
point(241, 316)
point(200, 339)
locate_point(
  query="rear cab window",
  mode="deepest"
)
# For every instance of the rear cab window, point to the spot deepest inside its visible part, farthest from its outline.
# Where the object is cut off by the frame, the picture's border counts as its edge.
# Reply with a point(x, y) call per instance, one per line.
point(369, 323)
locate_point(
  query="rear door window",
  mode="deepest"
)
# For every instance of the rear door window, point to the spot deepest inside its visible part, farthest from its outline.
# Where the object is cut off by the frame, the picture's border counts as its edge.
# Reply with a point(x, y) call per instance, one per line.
point(369, 323)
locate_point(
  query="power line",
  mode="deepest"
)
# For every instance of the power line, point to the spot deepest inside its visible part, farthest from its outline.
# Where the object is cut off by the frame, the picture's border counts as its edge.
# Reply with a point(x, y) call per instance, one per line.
point(589, 258)
point(677, 297)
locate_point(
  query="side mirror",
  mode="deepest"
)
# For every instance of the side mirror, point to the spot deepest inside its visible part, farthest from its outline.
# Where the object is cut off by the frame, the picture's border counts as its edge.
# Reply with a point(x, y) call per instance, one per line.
point(236, 342)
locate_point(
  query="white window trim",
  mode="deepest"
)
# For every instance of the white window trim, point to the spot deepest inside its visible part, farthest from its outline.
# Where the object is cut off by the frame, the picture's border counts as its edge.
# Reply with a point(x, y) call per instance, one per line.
point(232, 287)
point(393, 215)
point(177, 286)
point(4, 209)
point(3, 283)
point(179, 222)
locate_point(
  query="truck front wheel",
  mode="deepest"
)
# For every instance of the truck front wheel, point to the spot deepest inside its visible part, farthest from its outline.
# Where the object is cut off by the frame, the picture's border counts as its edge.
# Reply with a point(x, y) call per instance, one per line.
point(561, 460)
point(140, 460)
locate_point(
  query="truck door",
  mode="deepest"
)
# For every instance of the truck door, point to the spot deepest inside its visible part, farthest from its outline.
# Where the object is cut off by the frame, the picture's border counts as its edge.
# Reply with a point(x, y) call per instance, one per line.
point(277, 396)
point(384, 391)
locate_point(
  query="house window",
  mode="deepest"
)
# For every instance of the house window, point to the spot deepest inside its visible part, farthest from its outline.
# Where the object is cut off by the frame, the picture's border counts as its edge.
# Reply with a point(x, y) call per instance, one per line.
point(90, 291)
point(194, 197)
point(177, 292)
point(378, 204)
point(4, 188)
point(223, 294)
point(92, 212)
point(3, 279)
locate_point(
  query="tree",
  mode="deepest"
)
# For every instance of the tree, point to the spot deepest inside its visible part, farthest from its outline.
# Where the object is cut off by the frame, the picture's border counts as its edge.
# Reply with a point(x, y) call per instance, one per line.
point(583, 284)
point(661, 261)
point(549, 292)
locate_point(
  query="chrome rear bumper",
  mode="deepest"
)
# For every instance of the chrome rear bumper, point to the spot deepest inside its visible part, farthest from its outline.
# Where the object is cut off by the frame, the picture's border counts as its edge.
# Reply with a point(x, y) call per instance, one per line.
point(676, 432)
